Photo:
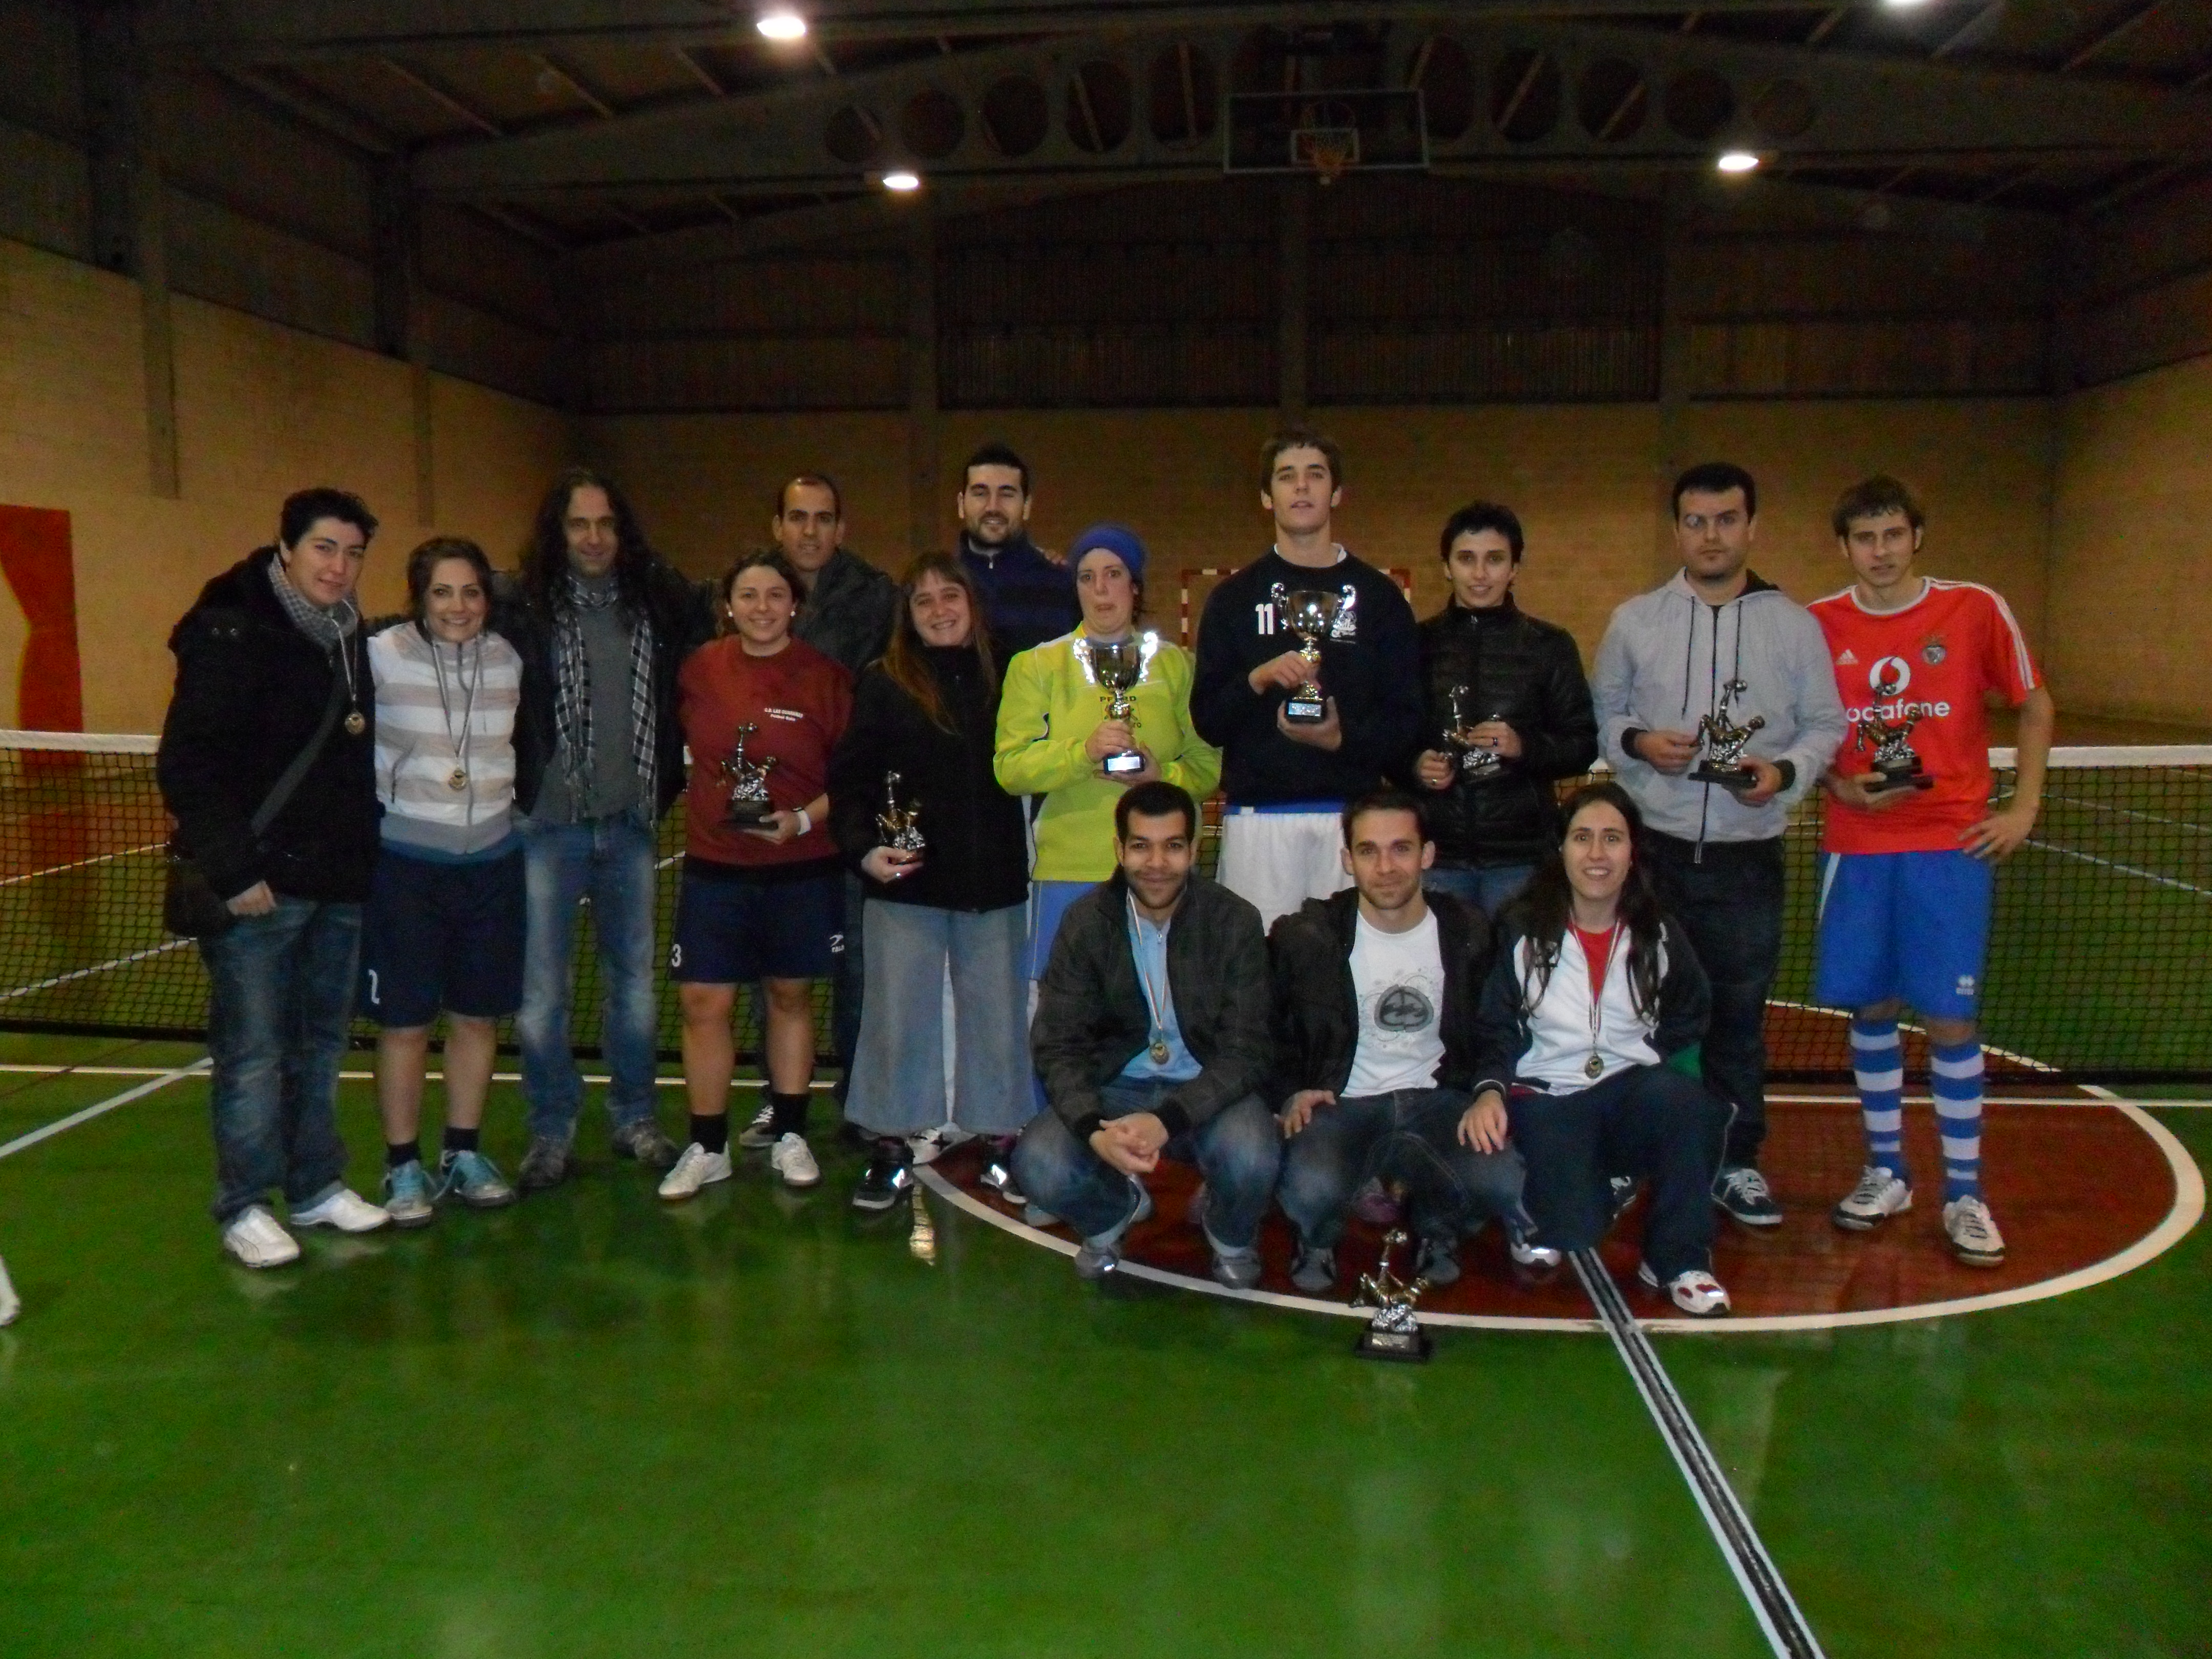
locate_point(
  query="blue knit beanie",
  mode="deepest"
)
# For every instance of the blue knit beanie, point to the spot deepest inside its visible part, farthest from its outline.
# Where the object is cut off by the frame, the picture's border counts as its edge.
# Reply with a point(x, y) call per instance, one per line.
point(1115, 539)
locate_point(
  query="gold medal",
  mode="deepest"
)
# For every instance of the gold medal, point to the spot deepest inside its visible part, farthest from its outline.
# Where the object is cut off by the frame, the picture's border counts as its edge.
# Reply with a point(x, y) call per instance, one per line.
point(1160, 1051)
point(458, 779)
point(355, 724)
point(1594, 1067)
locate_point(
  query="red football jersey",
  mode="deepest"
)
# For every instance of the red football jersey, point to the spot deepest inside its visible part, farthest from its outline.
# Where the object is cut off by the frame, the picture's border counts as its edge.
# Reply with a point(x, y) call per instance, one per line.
point(1932, 662)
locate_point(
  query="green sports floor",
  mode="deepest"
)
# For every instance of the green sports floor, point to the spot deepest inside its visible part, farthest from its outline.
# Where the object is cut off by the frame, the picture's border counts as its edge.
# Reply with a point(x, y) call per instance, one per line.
point(594, 1426)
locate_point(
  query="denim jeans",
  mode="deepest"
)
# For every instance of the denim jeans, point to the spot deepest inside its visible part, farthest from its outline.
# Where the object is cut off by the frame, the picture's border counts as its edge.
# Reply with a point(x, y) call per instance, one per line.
point(281, 995)
point(1730, 904)
point(1647, 1120)
point(1491, 886)
point(1411, 1136)
point(1237, 1150)
point(609, 861)
point(899, 1073)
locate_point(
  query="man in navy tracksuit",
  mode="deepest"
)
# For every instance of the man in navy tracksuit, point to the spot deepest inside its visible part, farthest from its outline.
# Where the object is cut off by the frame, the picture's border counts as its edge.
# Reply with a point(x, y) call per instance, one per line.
point(1287, 780)
point(1027, 599)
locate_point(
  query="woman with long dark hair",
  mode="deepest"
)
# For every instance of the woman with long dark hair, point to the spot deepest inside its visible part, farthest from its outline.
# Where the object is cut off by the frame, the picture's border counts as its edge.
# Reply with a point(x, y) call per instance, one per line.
point(762, 899)
point(444, 927)
point(928, 713)
point(1587, 1041)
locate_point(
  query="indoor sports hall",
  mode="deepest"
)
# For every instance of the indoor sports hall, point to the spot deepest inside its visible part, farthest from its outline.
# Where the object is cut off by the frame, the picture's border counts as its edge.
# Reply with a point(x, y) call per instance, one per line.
point(1544, 253)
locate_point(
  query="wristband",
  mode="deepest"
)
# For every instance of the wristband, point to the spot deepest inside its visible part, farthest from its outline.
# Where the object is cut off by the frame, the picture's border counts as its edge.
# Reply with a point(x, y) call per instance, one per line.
point(805, 822)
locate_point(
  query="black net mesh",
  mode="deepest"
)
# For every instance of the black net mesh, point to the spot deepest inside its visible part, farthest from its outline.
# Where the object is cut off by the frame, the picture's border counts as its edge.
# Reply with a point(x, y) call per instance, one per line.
point(2104, 920)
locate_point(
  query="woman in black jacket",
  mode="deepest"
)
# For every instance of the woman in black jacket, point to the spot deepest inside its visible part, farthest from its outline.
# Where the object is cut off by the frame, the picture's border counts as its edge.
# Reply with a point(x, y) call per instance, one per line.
point(921, 738)
point(1586, 1046)
point(271, 654)
point(1508, 714)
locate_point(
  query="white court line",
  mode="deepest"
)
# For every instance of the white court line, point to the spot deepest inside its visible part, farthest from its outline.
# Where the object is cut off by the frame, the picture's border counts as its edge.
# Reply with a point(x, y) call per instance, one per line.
point(86, 973)
point(2124, 869)
point(20, 1142)
point(669, 1081)
point(2132, 812)
point(83, 864)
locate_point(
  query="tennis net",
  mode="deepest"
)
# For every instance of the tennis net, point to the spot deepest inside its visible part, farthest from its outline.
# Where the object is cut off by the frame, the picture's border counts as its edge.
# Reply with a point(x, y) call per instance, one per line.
point(2102, 932)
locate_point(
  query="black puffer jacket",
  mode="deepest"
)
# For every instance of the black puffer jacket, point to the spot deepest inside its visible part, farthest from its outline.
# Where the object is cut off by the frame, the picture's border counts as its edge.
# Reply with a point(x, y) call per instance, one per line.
point(251, 690)
point(683, 621)
point(976, 857)
point(1317, 1008)
point(1529, 674)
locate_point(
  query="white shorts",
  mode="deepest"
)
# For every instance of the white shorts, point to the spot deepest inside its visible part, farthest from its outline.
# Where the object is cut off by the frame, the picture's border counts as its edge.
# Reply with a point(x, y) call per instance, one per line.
point(1278, 860)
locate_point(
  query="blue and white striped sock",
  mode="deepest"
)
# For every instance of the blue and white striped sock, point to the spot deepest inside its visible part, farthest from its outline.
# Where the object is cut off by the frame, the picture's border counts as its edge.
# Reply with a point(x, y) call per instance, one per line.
point(1957, 1076)
point(1878, 1064)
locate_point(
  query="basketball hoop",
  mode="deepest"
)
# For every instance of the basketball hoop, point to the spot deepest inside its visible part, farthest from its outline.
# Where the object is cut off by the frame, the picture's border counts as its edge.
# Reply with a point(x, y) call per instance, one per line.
point(1326, 152)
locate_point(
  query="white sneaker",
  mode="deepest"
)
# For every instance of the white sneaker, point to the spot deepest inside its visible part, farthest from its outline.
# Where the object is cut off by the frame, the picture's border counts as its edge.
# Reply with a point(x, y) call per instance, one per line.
point(697, 1168)
point(1696, 1292)
point(10, 1303)
point(794, 1160)
point(1879, 1194)
point(1525, 1254)
point(1973, 1233)
point(345, 1210)
point(255, 1239)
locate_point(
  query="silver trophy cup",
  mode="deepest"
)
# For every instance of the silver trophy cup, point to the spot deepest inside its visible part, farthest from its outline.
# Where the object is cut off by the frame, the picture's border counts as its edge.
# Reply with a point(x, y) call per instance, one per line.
point(1118, 665)
point(1309, 614)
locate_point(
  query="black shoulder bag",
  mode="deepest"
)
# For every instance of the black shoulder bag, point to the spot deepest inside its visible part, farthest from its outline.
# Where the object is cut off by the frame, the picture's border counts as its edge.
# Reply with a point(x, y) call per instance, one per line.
point(190, 908)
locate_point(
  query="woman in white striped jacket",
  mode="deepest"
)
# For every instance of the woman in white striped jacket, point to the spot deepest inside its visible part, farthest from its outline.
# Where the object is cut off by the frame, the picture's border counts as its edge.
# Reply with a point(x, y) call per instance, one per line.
point(445, 923)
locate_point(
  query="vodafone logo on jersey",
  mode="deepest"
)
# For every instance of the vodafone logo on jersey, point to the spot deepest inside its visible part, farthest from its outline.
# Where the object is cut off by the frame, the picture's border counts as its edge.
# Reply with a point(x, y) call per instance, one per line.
point(1888, 681)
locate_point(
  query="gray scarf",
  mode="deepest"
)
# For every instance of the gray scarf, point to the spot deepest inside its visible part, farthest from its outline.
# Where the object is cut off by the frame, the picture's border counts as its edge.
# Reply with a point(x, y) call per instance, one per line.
point(572, 691)
point(328, 626)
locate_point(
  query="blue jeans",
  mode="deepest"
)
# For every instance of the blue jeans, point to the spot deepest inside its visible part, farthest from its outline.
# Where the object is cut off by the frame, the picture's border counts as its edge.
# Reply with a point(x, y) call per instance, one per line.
point(280, 997)
point(898, 1075)
point(1492, 886)
point(1237, 1150)
point(609, 860)
point(1411, 1136)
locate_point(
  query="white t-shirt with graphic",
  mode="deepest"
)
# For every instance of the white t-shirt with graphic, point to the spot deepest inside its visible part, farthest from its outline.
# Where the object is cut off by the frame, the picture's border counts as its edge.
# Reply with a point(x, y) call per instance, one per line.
point(1399, 981)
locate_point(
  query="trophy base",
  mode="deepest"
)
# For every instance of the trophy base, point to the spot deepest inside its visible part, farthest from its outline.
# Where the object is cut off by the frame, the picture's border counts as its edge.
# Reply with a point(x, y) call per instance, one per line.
point(1738, 778)
point(1889, 781)
point(1405, 1347)
point(1305, 711)
point(748, 817)
point(1122, 765)
point(1486, 773)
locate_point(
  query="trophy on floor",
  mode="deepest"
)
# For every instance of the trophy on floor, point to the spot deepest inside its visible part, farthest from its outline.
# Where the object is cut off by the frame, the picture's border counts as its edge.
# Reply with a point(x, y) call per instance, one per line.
point(1393, 1332)
point(1476, 763)
point(1895, 764)
point(748, 805)
point(901, 832)
point(1309, 614)
point(1118, 665)
point(1725, 742)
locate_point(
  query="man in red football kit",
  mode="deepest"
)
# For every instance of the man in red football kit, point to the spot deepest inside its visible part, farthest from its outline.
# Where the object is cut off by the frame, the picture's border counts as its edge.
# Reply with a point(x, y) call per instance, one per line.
point(1912, 841)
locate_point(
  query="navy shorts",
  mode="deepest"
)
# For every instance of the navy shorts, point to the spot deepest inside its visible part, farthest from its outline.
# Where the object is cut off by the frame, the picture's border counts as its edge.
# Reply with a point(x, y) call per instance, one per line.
point(438, 935)
point(733, 926)
point(1912, 926)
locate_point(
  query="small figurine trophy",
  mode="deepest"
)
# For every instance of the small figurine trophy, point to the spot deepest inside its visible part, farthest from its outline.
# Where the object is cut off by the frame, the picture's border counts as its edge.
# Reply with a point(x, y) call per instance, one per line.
point(1309, 615)
point(1476, 763)
point(1394, 1331)
point(1725, 743)
point(1895, 762)
point(901, 832)
point(1118, 665)
point(749, 805)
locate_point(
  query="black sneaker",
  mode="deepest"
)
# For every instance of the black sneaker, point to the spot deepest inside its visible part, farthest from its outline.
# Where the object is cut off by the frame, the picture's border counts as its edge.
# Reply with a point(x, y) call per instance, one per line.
point(998, 1173)
point(1741, 1191)
point(1438, 1262)
point(546, 1164)
point(1315, 1271)
point(643, 1140)
point(888, 1175)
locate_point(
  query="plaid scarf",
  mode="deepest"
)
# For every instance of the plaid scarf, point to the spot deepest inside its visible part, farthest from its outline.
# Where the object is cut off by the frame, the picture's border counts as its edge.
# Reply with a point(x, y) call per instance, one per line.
point(572, 693)
point(327, 626)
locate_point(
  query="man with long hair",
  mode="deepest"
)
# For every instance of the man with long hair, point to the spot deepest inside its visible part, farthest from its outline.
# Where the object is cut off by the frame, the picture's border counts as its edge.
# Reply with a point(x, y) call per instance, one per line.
point(603, 625)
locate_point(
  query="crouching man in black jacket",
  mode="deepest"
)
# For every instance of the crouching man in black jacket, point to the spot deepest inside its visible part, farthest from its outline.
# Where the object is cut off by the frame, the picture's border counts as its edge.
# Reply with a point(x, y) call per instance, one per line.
point(1374, 992)
point(271, 663)
point(1151, 1037)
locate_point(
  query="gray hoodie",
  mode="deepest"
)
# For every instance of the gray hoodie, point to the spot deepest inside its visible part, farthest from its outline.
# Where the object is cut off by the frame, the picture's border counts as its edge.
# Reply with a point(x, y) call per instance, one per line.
point(1666, 656)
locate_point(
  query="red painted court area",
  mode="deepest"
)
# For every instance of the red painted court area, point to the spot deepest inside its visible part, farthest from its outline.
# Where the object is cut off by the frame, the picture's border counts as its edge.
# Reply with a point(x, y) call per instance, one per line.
point(2073, 1183)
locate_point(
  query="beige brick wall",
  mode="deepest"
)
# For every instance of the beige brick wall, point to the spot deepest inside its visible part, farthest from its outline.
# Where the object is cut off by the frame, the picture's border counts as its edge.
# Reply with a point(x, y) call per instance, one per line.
point(1583, 478)
point(2131, 547)
point(261, 410)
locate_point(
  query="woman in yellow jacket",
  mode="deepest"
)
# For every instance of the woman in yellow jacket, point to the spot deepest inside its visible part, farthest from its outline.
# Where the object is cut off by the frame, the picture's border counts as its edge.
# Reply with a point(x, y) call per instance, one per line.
point(1054, 739)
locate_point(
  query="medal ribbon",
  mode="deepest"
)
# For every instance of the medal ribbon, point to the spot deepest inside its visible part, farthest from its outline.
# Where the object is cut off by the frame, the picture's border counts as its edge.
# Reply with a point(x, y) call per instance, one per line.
point(1599, 962)
point(1153, 1000)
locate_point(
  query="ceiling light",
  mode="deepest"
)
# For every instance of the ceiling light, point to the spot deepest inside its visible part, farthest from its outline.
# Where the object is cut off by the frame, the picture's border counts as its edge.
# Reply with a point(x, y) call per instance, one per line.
point(781, 24)
point(901, 180)
point(1736, 161)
